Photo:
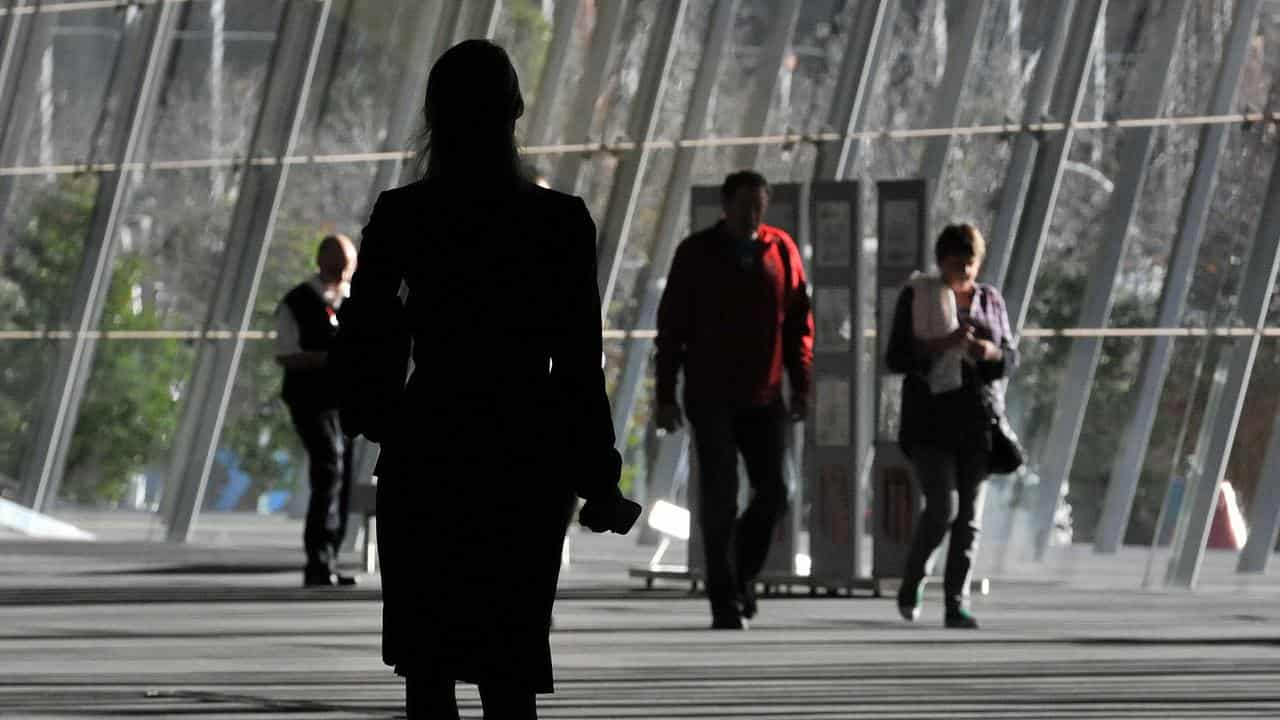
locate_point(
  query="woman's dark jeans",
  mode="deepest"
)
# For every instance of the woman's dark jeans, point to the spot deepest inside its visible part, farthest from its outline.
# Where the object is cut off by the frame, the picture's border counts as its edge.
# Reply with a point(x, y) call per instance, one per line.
point(952, 485)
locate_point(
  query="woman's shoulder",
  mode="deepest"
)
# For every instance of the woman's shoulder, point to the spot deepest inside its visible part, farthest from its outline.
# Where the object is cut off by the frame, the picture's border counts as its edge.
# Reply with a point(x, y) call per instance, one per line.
point(992, 292)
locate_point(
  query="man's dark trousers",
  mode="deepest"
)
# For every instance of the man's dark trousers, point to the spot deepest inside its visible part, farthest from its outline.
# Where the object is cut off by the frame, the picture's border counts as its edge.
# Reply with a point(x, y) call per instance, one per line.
point(329, 455)
point(736, 550)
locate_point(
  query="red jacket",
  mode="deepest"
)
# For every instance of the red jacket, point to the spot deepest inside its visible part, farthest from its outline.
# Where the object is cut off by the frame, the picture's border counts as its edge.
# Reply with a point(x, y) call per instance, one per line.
point(734, 329)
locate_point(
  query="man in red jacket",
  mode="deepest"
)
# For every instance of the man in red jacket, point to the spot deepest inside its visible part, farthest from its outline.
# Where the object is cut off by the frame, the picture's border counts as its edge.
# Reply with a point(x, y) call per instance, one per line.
point(735, 316)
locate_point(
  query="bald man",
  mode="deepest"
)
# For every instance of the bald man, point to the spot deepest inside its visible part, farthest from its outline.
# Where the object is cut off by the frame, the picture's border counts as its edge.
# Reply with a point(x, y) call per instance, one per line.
point(307, 323)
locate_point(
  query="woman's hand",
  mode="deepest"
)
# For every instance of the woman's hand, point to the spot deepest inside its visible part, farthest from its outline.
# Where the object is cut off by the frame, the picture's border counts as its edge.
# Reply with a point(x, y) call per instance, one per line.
point(984, 350)
point(960, 337)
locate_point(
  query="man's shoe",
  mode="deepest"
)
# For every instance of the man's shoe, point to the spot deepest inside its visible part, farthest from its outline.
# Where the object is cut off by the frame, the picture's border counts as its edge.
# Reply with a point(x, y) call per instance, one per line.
point(960, 619)
point(909, 602)
point(728, 622)
point(748, 598)
point(328, 580)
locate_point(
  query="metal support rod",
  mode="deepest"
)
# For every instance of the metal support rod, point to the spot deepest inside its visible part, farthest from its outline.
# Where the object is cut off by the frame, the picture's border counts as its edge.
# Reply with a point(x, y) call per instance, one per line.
point(1126, 469)
point(1046, 177)
point(946, 110)
point(768, 71)
point(1201, 499)
point(869, 35)
point(628, 178)
point(1135, 147)
point(1018, 176)
point(132, 93)
point(675, 203)
point(565, 18)
point(608, 28)
point(292, 68)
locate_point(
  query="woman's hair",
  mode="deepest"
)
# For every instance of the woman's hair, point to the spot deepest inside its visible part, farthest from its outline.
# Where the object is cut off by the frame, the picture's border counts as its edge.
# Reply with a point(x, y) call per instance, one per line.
point(473, 101)
point(959, 240)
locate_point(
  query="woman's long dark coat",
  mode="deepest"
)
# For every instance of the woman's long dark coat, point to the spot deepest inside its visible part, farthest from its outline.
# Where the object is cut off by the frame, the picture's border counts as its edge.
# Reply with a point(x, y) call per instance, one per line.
point(503, 421)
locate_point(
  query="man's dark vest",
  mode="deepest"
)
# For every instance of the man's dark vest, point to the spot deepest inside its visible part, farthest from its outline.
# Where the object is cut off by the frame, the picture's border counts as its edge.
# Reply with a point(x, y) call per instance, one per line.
point(317, 327)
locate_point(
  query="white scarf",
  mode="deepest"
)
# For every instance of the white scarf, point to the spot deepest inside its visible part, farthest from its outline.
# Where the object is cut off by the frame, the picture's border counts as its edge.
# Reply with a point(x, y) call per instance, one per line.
point(933, 315)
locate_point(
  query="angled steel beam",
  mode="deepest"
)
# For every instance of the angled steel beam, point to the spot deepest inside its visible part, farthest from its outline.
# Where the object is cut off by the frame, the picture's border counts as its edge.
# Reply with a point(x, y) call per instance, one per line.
point(453, 26)
point(1201, 499)
point(946, 110)
point(25, 37)
point(1264, 511)
point(608, 28)
point(484, 19)
point(675, 204)
point(145, 50)
point(406, 110)
point(293, 64)
point(1126, 469)
point(627, 179)
point(786, 13)
point(1046, 177)
point(1135, 145)
point(564, 20)
point(1000, 241)
point(872, 28)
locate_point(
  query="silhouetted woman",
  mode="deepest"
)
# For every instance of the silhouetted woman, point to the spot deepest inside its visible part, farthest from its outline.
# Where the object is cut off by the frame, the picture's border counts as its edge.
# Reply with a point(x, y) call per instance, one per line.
point(505, 417)
point(952, 340)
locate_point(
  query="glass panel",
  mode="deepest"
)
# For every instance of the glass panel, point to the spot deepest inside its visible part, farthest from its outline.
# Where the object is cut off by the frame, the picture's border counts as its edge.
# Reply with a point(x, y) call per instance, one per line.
point(42, 247)
point(613, 109)
point(23, 373)
point(524, 29)
point(362, 68)
point(216, 79)
point(1244, 470)
point(1075, 232)
point(807, 88)
point(972, 178)
point(260, 460)
point(63, 88)
point(530, 81)
point(1230, 230)
point(1199, 56)
point(1009, 47)
point(121, 446)
point(1154, 227)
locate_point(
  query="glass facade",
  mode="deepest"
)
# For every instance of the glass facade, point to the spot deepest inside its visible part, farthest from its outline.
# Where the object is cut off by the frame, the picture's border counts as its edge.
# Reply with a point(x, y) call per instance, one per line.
point(948, 93)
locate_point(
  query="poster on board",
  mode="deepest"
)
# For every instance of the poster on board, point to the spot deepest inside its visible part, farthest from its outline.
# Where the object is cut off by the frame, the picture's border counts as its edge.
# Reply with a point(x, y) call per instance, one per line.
point(833, 223)
point(900, 244)
point(833, 318)
point(833, 416)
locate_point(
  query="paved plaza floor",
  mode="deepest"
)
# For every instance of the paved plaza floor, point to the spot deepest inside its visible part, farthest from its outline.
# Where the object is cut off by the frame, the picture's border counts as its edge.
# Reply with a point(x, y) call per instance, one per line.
point(122, 629)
